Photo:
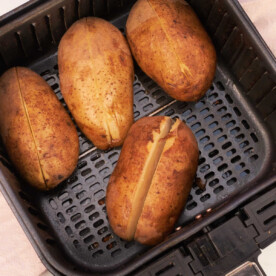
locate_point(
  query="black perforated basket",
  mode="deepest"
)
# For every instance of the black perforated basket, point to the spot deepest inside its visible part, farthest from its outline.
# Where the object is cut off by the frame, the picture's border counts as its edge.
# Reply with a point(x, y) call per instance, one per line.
point(234, 124)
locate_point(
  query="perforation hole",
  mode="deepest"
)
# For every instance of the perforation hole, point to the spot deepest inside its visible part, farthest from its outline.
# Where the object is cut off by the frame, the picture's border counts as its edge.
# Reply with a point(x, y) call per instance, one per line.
point(253, 158)
point(204, 168)
point(99, 193)
point(144, 100)
point(235, 131)
point(249, 151)
point(94, 216)
point(245, 124)
point(69, 231)
point(195, 126)
point(98, 223)
point(67, 202)
point(84, 232)
point(88, 239)
point(81, 195)
point(191, 119)
point(60, 217)
point(231, 123)
point(222, 109)
point(213, 125)
point(231, 181)
point(218, 160)
point(71, 210)
point(213, 153)
point(244, 173)
point(217, 131)
point(235, 159)
point(226, 117)
point(147, 107)
point(111, 245)
point(157, 93)
point(77, 187)
point(89, 209)
point(80, 225)
point(209, 175)
point(82, 164)
point(95, 186)
point(218, 189)
point(169, 112)
point(116, 253)
point(76, 244)
point(228, 98)
point(214, 182)
point(239, 137)
point(102, 230)
point(239, 166)
point(76, 217)
point(191, 205)
point(200, 133)
point(237, 111)
point(101, 201)
point(90, 179)
point(52, 203)
point(204, 139)
point(86, 172)
point(107, 238)
point(201, 161)
point(244, 144)
point(209, 118)
point(136, 114)
point(223, 167)
point(220, 86)
point(205, 197)
point(222, 138)
point(129, 244)
point(199, 191)
point(226, 145)
point(187, 112)
point(213, 96)
point(226, 174)
point(42, 227)
point(217, 102)
point(254, 137)
point(72, 179)
point(86, 201)
point(99, 164)
point(204, 111)
point(97, 254)
point(209, 146)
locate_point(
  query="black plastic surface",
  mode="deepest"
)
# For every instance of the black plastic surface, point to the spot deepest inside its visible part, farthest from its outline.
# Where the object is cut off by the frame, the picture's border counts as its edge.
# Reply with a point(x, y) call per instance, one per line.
point(68, 226)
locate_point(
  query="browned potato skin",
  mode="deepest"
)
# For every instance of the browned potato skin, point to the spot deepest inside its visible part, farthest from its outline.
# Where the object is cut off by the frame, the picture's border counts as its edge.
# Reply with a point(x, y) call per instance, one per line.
point(171, 46)
point(38, 134)
point(170, 186)
point(96, 78)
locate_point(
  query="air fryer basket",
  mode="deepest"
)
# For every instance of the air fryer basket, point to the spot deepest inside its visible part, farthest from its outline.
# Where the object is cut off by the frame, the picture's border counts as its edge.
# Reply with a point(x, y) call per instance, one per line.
point(68, 226)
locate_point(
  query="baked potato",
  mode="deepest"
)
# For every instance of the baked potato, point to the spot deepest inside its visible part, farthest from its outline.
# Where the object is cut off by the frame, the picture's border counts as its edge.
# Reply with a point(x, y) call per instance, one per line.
point(96, 79)
point(171, 46)
point(152, 179)
point(38, 134)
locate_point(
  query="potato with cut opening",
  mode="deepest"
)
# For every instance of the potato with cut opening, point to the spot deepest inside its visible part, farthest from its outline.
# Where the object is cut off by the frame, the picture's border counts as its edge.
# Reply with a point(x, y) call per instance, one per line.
point(152, 179)
point(96, 76)
point(171, 46)
point(37, 132)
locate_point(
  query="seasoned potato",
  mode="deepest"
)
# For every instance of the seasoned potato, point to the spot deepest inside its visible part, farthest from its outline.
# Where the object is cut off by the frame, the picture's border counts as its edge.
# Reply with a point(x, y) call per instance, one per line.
point(152, 179)
point(96, 77)
point(38, 134)
point(171, 46)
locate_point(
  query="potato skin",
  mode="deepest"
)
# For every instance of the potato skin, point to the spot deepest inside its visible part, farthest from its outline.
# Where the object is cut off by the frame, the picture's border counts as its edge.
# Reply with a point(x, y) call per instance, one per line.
point(171, 46)
point(38, 134)
point(170, 186)
point(96, 79)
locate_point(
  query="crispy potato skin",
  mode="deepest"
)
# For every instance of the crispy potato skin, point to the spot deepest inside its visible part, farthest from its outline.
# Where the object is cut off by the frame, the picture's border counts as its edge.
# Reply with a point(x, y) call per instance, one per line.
point(171, 46)
point(38, 134)
point(170, 186)
point(96, 79)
